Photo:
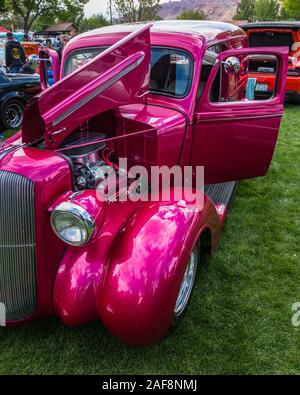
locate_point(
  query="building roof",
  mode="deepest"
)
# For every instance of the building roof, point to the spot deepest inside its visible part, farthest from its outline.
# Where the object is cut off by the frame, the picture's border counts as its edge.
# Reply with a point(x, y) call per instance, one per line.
point(277, 25)
point(207, 29)
point(60, 28)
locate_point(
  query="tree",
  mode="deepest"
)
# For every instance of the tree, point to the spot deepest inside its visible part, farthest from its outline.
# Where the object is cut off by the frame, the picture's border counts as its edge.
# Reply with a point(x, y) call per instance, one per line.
point(70, 11)
point(192, 14)
point(292, 8)
point(3, 6)
point(135, 11)
point(267, 10)
point(93, 22)
point(58, 10)
point(245, 10)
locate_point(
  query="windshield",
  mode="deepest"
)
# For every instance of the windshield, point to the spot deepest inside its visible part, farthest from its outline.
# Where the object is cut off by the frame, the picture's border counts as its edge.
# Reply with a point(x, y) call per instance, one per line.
point(171, 69)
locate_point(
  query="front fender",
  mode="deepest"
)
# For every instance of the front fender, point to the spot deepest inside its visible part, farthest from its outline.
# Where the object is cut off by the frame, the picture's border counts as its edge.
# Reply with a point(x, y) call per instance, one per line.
point(83, 268)
point(130, 275)
point(145, 268)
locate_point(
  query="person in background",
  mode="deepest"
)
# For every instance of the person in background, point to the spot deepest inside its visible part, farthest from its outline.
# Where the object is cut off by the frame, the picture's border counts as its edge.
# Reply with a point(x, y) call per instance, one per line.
point(14, 54)
point(49, 44)
point(64, 42)
point(26, 37)
point(29, 67)
point(73, 33)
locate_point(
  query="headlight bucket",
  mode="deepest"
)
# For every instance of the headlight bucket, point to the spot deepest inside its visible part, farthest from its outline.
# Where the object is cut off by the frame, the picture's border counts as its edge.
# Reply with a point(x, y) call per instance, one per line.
point(72, 223)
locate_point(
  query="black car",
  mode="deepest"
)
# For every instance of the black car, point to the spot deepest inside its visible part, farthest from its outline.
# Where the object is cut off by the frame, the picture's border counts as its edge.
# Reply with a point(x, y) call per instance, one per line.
point(15, 90)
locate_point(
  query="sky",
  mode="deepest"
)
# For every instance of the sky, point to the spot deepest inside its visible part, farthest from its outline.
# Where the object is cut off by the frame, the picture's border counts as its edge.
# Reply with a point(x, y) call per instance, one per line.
point(99, 7)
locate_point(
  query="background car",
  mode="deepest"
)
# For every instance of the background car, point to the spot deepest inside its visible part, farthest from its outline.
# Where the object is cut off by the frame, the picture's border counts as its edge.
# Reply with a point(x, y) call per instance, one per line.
point(15, 90)
point(276, 34)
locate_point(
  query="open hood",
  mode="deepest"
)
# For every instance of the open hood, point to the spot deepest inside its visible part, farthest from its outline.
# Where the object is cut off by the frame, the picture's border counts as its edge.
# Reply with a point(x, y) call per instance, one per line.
point(118, 76)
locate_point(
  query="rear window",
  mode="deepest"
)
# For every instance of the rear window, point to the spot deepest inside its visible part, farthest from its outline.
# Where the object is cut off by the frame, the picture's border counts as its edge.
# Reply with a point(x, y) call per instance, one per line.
point(271, 39)
point(171, 69)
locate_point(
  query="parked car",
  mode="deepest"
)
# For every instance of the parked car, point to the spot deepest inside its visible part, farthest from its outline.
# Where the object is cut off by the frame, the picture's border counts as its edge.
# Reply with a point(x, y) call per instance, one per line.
point(17, 36)
point(2, 52)
point(15, 90)
point(175, 93)
point(276, 34)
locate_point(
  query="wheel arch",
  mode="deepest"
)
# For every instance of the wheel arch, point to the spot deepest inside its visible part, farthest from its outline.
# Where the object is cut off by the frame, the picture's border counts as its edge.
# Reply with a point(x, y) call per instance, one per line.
point(12, 95)
point(205, 240)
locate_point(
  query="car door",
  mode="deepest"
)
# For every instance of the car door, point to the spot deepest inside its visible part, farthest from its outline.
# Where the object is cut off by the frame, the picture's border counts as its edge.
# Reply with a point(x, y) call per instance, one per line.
point(236, 125)
point(49, 67)
point(117, 76)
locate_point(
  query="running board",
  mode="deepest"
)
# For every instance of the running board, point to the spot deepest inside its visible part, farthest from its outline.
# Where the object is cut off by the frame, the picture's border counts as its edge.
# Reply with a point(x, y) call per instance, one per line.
point(221, 193)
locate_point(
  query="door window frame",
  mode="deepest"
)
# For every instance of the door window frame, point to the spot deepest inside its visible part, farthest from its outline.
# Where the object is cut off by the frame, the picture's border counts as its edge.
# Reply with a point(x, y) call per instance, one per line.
point(205, 105)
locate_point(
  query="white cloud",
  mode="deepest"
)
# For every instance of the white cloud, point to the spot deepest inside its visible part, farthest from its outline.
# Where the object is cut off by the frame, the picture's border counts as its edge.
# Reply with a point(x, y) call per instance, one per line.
point(100, 7)
point(96, 7)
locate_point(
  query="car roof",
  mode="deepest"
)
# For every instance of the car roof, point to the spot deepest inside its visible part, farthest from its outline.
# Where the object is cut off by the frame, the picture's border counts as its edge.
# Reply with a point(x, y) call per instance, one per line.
point(279, 24)
point(209, 30)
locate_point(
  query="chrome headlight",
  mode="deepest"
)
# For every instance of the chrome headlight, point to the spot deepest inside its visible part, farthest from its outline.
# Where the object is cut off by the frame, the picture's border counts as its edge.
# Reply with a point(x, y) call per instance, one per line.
point(72, 224)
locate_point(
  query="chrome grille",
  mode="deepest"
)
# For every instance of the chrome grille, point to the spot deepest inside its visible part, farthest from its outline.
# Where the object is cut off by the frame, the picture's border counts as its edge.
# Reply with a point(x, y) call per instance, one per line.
point(17, 246)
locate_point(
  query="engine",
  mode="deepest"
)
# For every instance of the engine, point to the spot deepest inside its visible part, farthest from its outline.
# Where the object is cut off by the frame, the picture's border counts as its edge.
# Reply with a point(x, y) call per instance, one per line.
point(86, 152)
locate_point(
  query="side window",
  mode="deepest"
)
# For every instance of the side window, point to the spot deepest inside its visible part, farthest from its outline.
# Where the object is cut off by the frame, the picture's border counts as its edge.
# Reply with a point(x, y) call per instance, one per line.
point(207, 65)
point(217, 48)
point(245, 78)
point(171, 71)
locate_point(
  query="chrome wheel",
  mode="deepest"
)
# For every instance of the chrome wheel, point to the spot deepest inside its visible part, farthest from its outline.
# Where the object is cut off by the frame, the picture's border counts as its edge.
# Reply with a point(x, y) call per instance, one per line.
point(187, 283)
point(13, 115)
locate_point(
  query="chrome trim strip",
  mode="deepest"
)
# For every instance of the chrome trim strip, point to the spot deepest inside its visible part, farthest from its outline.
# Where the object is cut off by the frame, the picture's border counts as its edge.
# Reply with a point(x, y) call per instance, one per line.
point(97, 92)
point(245, 118)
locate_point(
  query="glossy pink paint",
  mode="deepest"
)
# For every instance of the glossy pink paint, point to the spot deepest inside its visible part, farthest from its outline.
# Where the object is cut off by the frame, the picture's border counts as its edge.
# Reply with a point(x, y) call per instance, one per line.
point(129, 275)
point(236, 140)
point(122, 71)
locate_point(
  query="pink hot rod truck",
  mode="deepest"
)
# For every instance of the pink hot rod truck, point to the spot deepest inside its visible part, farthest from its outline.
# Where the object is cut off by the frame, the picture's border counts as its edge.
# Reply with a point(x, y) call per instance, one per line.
point(163, 94)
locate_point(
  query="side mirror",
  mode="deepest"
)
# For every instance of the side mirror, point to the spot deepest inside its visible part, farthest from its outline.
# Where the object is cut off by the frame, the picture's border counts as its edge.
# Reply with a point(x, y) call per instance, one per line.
point(232, 65)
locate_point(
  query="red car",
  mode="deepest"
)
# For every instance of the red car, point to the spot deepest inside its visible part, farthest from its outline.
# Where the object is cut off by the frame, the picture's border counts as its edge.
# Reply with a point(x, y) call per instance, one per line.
point(276, 34)
point(172, 97)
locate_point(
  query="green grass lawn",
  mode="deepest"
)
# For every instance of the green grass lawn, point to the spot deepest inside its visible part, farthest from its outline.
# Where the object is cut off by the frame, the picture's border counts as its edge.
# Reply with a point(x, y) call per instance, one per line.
point(8, 133)
point(240, 318)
